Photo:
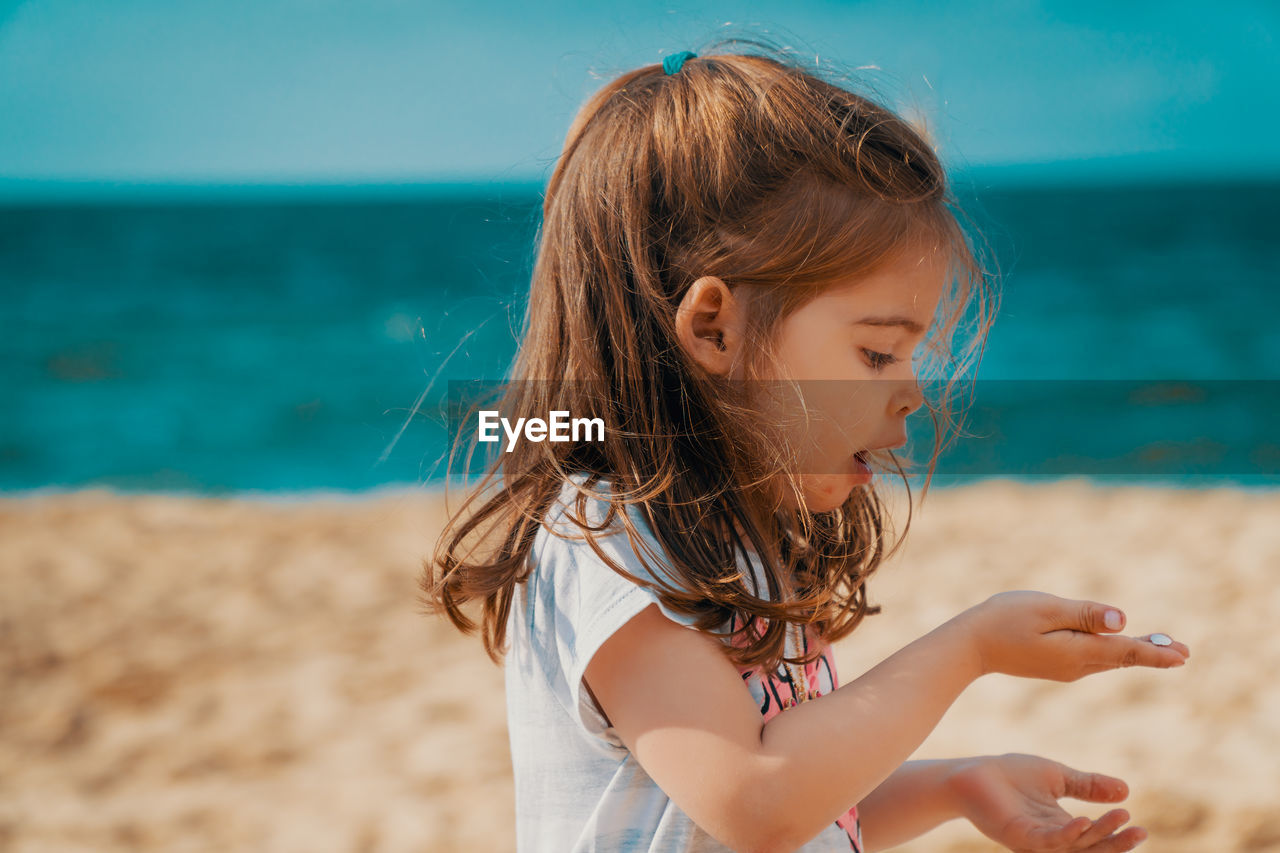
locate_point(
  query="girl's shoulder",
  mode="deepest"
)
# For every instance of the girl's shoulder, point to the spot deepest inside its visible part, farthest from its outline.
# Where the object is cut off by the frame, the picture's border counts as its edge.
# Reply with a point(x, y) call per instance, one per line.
point(583, 509)
point(563, 537)
point(578, 490)
point(585, 506)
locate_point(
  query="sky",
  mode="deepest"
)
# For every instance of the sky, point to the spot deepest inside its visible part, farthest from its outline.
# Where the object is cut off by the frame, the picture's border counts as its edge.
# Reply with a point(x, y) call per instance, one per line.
point(392, 91)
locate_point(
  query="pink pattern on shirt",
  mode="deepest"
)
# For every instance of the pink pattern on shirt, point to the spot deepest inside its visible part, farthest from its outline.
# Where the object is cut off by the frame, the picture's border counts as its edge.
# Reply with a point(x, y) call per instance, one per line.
point(778, 695)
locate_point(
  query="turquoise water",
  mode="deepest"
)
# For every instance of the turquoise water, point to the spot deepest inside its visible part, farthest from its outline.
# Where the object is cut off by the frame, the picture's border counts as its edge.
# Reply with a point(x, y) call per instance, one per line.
point(233, 344)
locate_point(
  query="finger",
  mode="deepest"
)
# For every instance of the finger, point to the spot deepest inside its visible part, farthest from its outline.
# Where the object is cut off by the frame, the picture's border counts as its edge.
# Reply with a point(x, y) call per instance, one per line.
point(1102, 828)
point(1060, 837)
point(1112, 652)
point(1089, 616)
point(1094, 787)
point(1127, 840)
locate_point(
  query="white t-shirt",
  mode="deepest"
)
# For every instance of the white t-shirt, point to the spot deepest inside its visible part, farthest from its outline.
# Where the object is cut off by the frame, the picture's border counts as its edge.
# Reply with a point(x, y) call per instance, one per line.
point(577, 786)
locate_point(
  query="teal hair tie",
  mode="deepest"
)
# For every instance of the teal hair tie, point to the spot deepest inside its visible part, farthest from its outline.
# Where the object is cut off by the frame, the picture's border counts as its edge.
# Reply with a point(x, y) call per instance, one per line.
point(672, 63)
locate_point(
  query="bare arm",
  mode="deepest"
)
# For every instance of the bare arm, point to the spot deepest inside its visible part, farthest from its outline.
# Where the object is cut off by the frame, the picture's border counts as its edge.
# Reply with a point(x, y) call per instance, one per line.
point(846, 744)
point(680, 705)
point(916, 798)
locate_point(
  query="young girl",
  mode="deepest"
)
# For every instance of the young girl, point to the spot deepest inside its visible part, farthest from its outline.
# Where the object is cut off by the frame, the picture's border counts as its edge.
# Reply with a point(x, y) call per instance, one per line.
point(739, 263)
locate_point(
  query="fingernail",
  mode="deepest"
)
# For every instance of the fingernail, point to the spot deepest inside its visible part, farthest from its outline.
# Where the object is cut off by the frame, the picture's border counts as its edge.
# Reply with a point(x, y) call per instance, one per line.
point(1113, 619)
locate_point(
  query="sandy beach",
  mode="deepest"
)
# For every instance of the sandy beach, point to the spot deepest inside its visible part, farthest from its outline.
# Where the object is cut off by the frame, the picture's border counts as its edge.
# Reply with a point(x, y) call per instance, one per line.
point(206, 674)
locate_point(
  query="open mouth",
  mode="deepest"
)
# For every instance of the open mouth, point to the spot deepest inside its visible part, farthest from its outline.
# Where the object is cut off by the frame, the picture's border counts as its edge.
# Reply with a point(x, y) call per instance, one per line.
point(862, 465)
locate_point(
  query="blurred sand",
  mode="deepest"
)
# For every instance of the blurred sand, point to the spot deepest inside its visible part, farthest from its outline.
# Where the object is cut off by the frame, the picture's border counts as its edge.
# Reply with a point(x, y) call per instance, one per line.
point(200, 674)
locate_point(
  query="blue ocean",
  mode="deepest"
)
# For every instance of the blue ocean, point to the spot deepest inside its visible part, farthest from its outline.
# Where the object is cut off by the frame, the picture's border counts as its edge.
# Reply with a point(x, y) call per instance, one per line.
point(233, 343)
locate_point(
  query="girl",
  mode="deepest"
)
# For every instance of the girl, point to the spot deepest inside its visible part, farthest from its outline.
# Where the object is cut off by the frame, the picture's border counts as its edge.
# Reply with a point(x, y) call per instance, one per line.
point(739, 264)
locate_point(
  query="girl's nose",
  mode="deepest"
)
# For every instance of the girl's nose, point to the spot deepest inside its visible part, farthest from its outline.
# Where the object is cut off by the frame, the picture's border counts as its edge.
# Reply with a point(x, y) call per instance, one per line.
point(909, 399)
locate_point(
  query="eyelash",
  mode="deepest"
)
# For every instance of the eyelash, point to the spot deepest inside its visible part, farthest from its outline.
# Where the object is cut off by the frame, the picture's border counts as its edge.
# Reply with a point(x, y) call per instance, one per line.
point(879, 360)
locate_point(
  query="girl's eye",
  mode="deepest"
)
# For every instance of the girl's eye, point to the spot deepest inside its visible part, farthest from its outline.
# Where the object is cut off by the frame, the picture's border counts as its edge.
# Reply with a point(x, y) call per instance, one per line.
point(879, 360)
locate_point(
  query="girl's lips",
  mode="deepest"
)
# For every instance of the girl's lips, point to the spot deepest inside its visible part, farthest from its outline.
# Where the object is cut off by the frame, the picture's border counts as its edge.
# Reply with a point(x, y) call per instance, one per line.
point(860, 465)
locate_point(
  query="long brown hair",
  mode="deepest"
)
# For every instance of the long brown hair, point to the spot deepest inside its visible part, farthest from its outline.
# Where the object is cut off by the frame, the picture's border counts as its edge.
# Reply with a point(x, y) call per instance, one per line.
point(752, 167)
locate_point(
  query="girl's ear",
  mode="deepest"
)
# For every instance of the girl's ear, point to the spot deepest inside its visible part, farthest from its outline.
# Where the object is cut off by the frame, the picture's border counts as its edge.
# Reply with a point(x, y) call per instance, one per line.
point(710, 325)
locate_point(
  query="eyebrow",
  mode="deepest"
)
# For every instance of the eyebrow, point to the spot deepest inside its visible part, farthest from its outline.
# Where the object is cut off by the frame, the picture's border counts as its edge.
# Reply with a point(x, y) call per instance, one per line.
point(906, 322)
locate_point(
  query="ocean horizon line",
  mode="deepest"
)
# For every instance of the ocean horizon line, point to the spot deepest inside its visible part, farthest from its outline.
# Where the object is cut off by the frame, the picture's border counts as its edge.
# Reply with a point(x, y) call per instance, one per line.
point(1014, 177)
point(435, 489)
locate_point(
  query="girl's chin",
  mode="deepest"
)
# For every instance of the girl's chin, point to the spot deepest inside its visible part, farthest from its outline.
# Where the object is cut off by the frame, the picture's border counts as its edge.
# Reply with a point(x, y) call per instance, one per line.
point(824, 492)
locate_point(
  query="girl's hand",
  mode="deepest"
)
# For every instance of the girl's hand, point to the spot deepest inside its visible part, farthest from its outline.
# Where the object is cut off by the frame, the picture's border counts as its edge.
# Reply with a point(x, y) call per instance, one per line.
point(1012, 799)
point(1038, 635)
